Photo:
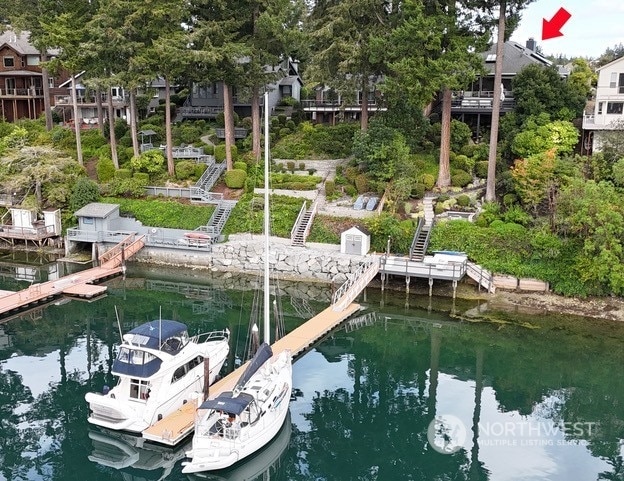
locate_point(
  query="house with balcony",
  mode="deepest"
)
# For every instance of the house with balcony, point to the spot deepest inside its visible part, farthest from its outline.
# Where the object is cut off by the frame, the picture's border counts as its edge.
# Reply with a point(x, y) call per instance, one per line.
point(329, 106)
point(87, 100)
point(206, 100)
point(21, 78)
point(474, 105)
point(608, 107)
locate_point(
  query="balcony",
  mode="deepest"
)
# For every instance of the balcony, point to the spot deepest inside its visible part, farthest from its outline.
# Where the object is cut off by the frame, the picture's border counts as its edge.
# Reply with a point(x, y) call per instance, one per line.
point(21, 93)
point(338, 105)
point(89, 101)
point(480, 102)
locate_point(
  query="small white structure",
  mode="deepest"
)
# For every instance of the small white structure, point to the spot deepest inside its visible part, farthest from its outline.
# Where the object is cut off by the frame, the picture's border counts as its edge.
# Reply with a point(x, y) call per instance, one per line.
point(26, 221)
point(355, 240)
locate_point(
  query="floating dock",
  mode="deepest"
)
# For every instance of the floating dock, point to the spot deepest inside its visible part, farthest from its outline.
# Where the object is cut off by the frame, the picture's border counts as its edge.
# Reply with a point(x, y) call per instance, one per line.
point(174, 428)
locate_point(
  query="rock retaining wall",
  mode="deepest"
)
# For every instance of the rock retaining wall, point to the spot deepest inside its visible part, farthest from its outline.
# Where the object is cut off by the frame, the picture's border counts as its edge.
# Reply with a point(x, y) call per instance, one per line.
point(245, 253)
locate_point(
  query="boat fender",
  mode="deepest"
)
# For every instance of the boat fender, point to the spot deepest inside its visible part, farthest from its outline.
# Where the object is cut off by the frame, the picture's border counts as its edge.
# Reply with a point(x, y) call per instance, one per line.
point(105, 389)
point(160, 417)
point(184, 401)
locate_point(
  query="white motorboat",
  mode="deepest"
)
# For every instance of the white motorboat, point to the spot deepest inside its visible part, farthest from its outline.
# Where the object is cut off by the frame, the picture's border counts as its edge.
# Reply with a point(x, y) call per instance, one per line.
point(237, 423)
point(160, 367)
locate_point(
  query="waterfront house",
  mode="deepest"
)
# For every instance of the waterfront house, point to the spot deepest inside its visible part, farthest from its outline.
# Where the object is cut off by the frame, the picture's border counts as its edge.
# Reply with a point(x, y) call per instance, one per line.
point(608, 109)
point(21, 78)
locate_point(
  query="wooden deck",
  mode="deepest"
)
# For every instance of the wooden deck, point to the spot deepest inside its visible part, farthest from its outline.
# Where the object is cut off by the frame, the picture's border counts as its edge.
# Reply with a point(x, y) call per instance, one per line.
point(176, 427)
point(78, 284)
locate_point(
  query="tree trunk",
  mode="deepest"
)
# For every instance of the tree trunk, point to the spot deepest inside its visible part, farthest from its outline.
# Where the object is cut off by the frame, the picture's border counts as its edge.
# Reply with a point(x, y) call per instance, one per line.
point(170, 163)
point(490, 189)
point(100, 111)
point(47, 104)
point(364, 112)
point(133, 124)
point(77, 122)
point(444, 175)
point(228, 118)
point(255, 123)
point(111, 128)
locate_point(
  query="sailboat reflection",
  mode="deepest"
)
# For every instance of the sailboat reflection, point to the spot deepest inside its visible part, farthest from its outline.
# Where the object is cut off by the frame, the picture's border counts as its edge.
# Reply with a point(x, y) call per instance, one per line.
point(257, 466)
point(136, 459)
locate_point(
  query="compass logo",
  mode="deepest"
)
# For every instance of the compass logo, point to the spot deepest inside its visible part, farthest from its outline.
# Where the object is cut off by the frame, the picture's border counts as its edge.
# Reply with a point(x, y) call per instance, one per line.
point(446, 434)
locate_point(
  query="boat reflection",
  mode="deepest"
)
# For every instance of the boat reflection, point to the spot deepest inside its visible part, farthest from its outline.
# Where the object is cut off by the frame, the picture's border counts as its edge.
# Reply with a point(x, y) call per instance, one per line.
point(137, 459)
point(258, 466)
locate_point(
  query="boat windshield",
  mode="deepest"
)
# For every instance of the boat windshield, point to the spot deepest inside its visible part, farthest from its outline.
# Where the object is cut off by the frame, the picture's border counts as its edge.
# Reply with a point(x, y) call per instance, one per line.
point(136, 362)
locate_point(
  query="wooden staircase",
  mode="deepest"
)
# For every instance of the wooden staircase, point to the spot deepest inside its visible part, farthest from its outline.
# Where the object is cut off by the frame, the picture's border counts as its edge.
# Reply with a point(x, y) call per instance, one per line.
point(422, 236)
point(303, 224)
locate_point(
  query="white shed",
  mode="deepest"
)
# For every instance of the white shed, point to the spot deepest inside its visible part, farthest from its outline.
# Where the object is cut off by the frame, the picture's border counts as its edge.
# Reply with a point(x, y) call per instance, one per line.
point(355, 240)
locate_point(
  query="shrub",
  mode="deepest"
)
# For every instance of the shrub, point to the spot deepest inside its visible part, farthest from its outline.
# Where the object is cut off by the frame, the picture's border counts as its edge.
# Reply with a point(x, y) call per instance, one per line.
point(438, 209)
point(301, 165)
point(351, 173)
point(427, 180)
point(123, 174)
point(509, 199)
point(219, 152)
point(311, 171)
point(460, 179)
point(141, 177)
point(240, 165)
point(361, 183)
point(209, 149)
point(418, 191)
point(330, 187)
point(481, 169)
point(84, 192)
point(235, 179)
point(468, 150)
point(184, 169)
point(282, 119)
point(105, 169)
point(339, 170)
point(152, 162)
point(350, 190)
point(290, 165)
point(463, 200)
point(463, 163)
point(199, 169)
point(127, 186)
point(517, 215)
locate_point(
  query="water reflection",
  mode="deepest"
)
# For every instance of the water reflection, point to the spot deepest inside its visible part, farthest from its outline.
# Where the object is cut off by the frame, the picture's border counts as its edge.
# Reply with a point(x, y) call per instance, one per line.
point(262, 465)
point(136, 459)
point(517, 384)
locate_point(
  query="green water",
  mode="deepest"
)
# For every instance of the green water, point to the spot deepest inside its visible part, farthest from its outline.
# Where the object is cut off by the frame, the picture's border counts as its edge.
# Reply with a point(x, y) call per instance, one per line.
point(407, 393)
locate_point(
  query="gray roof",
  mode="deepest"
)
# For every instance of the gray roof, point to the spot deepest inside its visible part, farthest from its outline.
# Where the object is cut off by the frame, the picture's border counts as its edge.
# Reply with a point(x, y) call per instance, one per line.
point(20, 43)
point(291, 79)
point(97, 209)
point(516, 57)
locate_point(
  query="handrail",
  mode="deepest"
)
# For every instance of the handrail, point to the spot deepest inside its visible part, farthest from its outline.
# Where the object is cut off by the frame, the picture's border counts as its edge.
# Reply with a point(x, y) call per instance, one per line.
point(295, 227)
point(421, 221)
point(360, 279)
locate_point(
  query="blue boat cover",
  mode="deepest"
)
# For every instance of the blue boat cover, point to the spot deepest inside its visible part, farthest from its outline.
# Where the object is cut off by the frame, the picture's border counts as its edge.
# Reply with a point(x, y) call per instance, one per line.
point(263, 354)
point(136, 370)
point(152, 333)
point(228, 404)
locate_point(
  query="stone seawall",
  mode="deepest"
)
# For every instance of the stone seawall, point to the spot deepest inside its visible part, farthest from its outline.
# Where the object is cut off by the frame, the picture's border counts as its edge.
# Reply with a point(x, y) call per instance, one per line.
point(245, 253)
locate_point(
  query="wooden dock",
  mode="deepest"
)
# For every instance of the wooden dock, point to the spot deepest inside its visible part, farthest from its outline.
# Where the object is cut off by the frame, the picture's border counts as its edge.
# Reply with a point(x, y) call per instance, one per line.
point(174, 428)
point(79, 284)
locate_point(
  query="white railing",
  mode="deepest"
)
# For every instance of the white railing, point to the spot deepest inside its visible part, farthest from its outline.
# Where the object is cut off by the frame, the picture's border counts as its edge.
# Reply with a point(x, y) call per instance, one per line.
point(480, 275)
point(347, 292)
point(295, 228)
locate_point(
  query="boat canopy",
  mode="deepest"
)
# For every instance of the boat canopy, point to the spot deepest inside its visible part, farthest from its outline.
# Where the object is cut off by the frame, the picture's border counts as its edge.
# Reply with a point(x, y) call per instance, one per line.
point(263, 354)
point(154, 333)
point(227, 403)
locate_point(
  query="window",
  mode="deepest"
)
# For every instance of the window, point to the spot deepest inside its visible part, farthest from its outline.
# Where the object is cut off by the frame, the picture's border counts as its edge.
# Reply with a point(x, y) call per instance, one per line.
point(50, 82)
point(600, 105)
point(613, 82)
point(491, 57)
point(615, 108)
point(32, 60)
point(87, 220)
point(9, 62)
point(621, 84)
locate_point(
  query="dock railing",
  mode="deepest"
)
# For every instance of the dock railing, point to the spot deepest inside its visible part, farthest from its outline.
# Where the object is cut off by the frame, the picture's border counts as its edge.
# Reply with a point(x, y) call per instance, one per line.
point(348, 291)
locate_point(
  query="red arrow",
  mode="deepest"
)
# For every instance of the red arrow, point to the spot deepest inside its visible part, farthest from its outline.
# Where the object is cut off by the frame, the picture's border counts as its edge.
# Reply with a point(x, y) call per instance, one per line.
point(552, 28)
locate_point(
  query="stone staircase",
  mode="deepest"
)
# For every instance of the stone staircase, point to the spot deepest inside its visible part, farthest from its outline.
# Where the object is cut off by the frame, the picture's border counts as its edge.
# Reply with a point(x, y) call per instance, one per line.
point(303, 224)
point(420, 242)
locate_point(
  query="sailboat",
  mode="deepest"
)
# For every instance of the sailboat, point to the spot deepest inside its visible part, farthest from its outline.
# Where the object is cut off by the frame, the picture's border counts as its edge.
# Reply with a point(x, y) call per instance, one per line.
point(237, 423)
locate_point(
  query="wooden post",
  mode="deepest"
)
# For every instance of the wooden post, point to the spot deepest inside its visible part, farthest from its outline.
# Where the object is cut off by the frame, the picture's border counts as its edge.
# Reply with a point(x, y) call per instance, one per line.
point(454, 288)
point(430, 286)
point(206, 377)
point(407, 284)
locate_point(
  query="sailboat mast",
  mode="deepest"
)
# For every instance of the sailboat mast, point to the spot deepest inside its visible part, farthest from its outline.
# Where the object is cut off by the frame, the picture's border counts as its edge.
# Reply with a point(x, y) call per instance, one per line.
point(267, 332)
